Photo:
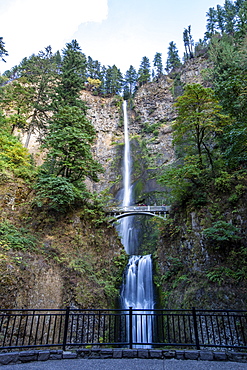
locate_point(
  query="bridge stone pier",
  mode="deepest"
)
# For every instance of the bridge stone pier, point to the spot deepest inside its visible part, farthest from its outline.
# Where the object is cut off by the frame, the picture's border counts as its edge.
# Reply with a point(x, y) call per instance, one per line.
point(153, 211)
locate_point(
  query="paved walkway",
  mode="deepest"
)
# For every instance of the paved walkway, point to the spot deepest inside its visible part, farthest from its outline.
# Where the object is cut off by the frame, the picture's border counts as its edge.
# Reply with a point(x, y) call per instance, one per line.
point(127, 364)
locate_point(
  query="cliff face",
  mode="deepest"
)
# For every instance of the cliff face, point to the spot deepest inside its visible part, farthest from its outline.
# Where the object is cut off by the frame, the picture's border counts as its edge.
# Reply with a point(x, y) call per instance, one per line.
point(150, 113)
point(53, 260)
point(151, 116)
point(151, 110)
point(105, 115)
point(205, 272)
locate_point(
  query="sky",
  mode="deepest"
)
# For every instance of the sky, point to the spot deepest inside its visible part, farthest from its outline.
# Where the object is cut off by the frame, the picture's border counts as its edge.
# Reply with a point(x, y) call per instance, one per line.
point(119, 32)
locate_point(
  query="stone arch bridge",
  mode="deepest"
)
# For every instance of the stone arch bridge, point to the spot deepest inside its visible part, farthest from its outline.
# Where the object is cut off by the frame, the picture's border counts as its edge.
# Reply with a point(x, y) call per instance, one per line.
point(117, 213)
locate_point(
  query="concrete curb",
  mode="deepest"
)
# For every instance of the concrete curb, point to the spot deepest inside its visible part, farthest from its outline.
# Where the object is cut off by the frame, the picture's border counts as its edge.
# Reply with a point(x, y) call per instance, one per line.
point(117, 353)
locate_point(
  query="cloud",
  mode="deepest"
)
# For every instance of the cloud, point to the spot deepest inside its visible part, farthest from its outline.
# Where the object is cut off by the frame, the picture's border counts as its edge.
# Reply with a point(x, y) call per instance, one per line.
point(28, 26)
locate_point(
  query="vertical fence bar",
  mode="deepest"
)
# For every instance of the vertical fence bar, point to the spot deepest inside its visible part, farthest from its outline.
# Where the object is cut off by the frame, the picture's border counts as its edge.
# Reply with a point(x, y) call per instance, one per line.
point(66, 325)
point(130, 327)
point(195, 328)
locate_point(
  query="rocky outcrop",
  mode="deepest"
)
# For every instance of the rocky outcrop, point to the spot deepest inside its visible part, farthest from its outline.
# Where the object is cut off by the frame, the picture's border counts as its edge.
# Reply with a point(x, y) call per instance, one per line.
point(105, 114)
point(151, 117)
point(193, 71)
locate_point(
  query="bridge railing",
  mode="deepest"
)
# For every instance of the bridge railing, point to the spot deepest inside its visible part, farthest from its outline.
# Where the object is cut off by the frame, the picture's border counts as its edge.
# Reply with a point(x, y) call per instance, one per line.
point(118, 328)
point(121, 209)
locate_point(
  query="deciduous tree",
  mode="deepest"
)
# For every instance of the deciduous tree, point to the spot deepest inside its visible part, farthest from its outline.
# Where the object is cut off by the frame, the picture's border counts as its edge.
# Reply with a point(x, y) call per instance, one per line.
point(199, 120)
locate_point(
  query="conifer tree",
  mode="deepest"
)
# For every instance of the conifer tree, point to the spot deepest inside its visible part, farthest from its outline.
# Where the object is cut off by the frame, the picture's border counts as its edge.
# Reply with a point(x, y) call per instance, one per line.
point(158, 64)
point(241, 19)
point(37, 78)
point(93, 68)
point(113, 80)
point(144, 71)
point(173, 60)
point(130, 81)
point(220, 18)
point(230, 14)
point(188, 43)
point(72, 77)
point(230, 84)
point(69, 161)
point(211, 23)
point(3, 51)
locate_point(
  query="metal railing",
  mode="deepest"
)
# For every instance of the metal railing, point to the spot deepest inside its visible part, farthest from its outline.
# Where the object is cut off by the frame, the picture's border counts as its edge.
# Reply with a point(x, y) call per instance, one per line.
point(69, 327)
point(122, 209)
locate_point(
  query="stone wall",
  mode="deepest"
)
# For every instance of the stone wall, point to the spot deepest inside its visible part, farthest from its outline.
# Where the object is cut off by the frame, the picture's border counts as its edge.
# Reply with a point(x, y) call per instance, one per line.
point(119, 353)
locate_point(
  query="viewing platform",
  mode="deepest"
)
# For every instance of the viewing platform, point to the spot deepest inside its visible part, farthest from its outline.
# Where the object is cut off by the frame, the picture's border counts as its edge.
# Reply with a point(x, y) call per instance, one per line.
point(153, 211)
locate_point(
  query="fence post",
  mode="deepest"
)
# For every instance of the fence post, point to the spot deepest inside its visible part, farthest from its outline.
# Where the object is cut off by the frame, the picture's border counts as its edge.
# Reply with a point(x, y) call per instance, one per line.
point(130, 327)
point(66, 325)
point(195, 328)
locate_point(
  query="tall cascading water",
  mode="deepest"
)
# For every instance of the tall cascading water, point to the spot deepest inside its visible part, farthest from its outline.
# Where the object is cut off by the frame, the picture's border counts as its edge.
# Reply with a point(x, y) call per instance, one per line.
point(137, 289)
point(126, 226)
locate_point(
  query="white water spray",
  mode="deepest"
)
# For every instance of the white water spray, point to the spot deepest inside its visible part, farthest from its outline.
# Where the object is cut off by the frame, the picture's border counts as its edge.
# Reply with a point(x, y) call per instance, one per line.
point(137, 290)
point(126, 223)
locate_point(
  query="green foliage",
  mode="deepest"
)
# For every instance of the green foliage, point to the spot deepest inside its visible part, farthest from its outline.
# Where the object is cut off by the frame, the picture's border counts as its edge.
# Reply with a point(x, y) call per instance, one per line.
point(58, 192)
point(72, 78)
point(223, 182)
point(230, 84)
point(188, 43)
point(151, 128)
point(144, 71)
point(17, 102)
point(158, 65)
point(113, 81)
point(130, 81)
point(199, 121)
point(175, 266)
point(223, 274)
point(17, 239)
point(69, 144)
point(182, 179)
point(3, 51)
point(173, 60)
point(221, 233)
point(13, 156)
point(227, 19)
point(69, 161)
point(35, 88)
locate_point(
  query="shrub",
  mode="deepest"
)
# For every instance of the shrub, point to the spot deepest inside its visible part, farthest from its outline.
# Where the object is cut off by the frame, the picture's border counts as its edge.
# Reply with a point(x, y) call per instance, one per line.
point(57, 192)
point(221, 233)
point(13, 238)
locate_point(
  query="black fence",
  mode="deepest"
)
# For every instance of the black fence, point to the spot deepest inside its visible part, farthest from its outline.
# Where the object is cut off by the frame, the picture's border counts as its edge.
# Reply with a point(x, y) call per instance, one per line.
point(130, 328)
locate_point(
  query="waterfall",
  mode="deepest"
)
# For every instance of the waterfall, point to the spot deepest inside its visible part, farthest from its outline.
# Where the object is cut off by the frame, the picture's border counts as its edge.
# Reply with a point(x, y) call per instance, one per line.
point(126, 227)
point(137, 288)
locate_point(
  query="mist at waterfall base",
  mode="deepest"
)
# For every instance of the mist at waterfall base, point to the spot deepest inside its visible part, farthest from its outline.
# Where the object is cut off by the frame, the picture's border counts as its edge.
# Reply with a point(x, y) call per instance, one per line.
point(137, 288)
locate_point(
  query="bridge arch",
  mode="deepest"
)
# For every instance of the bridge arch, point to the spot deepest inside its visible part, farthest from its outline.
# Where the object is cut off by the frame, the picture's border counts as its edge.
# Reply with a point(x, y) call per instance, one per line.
point(134, 213)
point(152, 211)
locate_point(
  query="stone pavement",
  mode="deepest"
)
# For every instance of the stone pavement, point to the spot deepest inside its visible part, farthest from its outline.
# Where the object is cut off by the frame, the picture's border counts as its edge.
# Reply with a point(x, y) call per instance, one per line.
point(123, 359)
point(127, 364)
